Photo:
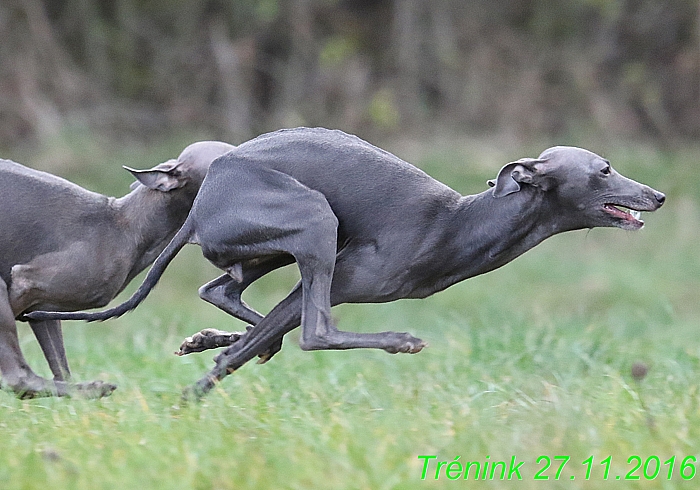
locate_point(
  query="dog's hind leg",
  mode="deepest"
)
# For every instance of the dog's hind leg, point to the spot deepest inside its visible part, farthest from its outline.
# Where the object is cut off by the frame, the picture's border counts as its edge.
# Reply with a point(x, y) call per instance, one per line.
point(282, 319)
point(290, 218)
point(19, 377)
point(16, 373)
point(225, 292)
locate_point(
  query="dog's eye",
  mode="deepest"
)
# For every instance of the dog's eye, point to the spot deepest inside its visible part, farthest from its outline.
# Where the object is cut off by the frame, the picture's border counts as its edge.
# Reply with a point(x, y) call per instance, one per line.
point(606, 170)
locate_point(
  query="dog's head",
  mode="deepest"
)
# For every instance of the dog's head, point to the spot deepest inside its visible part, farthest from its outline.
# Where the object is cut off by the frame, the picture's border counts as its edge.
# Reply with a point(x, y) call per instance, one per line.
point(583, 185)
point(190, 167)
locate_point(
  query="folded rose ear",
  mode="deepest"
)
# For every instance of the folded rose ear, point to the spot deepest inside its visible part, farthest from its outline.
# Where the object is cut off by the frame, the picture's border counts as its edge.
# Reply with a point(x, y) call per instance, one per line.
point(163, 177)
point(523, 171)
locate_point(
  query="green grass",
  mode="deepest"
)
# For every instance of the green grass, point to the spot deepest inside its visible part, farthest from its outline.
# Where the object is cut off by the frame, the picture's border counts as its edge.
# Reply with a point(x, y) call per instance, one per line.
point(533, 359)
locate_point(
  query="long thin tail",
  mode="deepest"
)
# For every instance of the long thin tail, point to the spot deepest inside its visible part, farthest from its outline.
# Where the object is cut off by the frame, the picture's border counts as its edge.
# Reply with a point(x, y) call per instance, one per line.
point(165, 257)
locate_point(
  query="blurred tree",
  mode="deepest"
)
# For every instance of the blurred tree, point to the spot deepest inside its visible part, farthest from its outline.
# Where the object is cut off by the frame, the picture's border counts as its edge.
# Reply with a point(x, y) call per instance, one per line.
point(136, 68)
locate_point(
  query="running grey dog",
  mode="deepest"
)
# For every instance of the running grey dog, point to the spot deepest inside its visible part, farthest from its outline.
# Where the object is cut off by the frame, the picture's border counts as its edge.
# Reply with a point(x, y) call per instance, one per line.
point(364, 226)
point(63, 247)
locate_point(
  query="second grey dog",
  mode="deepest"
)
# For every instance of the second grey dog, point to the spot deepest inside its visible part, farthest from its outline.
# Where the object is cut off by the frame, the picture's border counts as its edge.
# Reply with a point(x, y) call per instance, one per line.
point(365, 226)
point(66, 248)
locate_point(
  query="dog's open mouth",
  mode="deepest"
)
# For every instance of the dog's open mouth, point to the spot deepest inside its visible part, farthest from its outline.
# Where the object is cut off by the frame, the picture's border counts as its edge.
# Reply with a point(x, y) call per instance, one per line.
point(630, 217)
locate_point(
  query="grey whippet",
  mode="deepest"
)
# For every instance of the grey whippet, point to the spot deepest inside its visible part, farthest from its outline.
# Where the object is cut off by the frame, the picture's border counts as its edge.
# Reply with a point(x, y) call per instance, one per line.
point(63, 247)
point(365, 226)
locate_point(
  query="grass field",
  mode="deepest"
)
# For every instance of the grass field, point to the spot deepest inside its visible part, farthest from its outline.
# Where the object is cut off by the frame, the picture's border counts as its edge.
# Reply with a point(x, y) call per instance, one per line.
point(527, 364)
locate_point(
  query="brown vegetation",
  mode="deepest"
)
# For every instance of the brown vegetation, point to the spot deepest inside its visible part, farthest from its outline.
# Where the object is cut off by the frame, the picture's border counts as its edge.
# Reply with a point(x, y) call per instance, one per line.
point(129, 68)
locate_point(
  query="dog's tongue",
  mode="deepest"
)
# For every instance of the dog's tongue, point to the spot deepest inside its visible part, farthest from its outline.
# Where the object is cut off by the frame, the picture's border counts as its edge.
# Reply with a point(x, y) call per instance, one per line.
point(628, 214)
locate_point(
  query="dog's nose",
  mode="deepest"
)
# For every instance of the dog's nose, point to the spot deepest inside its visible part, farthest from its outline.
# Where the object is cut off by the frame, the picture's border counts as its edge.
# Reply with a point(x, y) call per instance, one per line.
point(660, 197)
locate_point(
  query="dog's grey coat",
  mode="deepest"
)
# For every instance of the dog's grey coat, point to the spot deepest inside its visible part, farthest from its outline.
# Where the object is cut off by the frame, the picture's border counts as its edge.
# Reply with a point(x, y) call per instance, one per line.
point(65, 248)
point(365, 226)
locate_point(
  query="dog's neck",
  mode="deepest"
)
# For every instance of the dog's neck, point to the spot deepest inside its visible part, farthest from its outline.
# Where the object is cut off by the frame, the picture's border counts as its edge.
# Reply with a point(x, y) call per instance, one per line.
point(152, 218)
point(491, 231)
point(482, 233)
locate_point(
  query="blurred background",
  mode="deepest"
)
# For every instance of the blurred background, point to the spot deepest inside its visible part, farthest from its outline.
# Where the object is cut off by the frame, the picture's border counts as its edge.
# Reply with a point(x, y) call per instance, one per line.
point(138, 71)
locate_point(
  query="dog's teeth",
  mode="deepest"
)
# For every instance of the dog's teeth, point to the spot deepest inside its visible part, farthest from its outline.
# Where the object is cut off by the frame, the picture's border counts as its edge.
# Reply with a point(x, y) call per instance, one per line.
point(635, 214)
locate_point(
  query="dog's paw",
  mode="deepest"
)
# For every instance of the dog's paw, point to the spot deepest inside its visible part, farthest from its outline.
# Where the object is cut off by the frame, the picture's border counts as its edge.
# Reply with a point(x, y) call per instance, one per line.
point(93, 389)
point(407, 344)
point(209, 338)
point(48, 388)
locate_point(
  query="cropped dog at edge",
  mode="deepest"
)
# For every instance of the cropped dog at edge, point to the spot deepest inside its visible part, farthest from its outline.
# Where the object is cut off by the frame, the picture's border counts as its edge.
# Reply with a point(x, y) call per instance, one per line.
point(65, 248)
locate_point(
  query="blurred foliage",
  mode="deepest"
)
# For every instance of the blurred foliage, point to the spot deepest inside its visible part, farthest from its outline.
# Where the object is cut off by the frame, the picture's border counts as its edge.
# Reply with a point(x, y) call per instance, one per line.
point(134, 69)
